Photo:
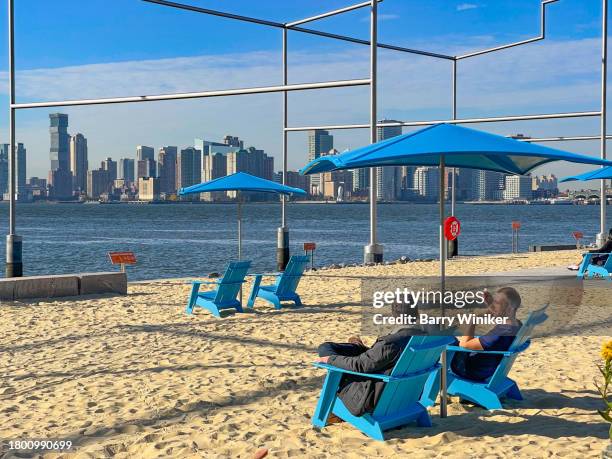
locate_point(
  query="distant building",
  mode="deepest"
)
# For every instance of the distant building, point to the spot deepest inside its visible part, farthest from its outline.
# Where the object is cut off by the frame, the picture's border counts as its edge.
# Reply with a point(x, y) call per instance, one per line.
point(337, 184)
point(37, 187)
point(145, 162)
point(214, 161)
point(98, 183)
point(427, 183)
point(388, 178)
point(233, 142)
point(361, 180)
point(166, 165)
point(545, 186)
point(518, 187)
point(320, 142)
point(148, 188)
point(125, 170)
point(78, 161)
point(21, 172)
point(188, 169)
point(294, 179)
point(144, 152)
point(60, 176)
point(4, 168)
point(489, 185)
point(111, 167)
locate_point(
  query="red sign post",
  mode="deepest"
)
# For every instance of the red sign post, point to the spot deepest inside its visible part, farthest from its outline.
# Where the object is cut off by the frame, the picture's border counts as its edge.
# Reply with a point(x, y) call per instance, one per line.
point(122, 258)
point(452, 228)
point(310, 247)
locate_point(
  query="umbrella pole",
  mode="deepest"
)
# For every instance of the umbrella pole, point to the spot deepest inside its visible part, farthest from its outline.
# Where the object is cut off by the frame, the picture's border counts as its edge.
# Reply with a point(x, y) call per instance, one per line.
point(442, 282)
point(238, 197)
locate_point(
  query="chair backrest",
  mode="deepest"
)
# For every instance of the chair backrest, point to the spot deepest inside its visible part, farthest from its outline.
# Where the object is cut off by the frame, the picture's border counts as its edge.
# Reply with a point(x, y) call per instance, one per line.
point(417, 361)
point(523, 335)
point(229, 285)
point(288, 281)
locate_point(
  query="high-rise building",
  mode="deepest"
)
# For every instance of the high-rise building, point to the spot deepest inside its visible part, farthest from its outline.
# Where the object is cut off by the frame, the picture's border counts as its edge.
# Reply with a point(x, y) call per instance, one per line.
point(233, 142)
point(388, 178)
point(320, 142)
point(97, 183)
point(111, 167)
point(361, 179)
point(188, 169)
point(78, 161)
point(60, 176)
point(518, 187)
point(4, 168)
point(489, 185)
point(466, 181)
point(143, 152)
point(145, 162)
point(166, 165)
point(148, 188)
point(126, 170)
point(294, 179)
point(20, 172)
point(427, 182)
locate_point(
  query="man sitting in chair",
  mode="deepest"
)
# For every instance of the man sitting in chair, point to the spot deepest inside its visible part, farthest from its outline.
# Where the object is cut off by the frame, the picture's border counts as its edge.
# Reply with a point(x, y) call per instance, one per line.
point(599, 260)
point(360, 394)
point(479, 366)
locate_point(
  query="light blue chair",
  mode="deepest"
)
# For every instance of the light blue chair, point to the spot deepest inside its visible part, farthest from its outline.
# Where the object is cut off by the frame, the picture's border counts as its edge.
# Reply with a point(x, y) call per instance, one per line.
point(224, 296)
point(488, 393)
point(588, 270)
point(399, 401)
point(285, 287)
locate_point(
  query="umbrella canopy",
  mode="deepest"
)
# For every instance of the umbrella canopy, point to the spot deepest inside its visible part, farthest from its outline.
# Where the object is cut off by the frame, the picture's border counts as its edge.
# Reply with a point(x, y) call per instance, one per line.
point(241, 181)
point(461, 147)
point(598, 174)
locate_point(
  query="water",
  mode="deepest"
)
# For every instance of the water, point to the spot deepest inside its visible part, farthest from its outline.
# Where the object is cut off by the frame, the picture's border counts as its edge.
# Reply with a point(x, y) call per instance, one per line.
point(193, 240)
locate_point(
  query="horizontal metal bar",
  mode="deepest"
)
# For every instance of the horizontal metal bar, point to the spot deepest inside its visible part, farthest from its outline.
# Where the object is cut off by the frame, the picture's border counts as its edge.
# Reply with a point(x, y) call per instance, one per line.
point(295, 28)
point(197, 95)
point(542, 36)
point(330, 13)
point(563, 139)
point(455, 121)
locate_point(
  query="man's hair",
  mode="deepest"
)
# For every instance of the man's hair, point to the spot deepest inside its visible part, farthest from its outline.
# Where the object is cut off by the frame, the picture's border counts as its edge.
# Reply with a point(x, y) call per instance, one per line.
point(512, 296)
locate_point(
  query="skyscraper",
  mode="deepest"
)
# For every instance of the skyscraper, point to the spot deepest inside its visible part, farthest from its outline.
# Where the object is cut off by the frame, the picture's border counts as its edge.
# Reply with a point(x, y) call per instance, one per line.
point(20, 172)
point(60, 177)
point(166, 165)
point(427, 182)
point(320, 142)
point(489, 185)
point(143, 152)
point(111, 167)
point(126, 170)
point(388, 178)
point(4, 175)
point(78, 161)
point(97, 183)
point(188, 169)
point(145, 162)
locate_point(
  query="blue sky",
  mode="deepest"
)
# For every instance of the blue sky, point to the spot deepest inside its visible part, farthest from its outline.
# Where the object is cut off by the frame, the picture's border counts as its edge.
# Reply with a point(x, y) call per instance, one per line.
point(96, 48)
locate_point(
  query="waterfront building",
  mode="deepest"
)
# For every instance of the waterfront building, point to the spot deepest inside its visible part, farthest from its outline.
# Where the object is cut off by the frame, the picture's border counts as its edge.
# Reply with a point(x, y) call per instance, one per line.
point(148, 188)
point(60, 176)
point(126, 170)
point(4, 169)
point(337, 184)
point(361, 180)
point(166, 165)
point(545, 186)
point(78, 162)
point(233, 142)
point(294, 179)
point(427, 183)
point(145, 162)
point(252, 161)
point(111, 167)
point(518, 187)
point(320, 142)
point(489, 185)
point(98, 183)
point(388, 178)
point(188, 170)
point(37, 187)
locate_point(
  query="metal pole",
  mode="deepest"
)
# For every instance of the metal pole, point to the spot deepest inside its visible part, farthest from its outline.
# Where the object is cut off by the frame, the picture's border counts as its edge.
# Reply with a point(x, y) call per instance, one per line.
point(14, 263)
point(373, 253)
point(282, 239)
point(601, 237)
point(453, 246)
point(238, 197)
point(442, 282)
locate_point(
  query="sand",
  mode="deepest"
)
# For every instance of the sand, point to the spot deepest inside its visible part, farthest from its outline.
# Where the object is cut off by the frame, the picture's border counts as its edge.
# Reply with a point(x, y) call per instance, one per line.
point(136, 377)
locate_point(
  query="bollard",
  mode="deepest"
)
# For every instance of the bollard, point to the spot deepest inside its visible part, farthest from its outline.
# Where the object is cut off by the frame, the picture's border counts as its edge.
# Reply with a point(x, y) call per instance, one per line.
point(516, 226)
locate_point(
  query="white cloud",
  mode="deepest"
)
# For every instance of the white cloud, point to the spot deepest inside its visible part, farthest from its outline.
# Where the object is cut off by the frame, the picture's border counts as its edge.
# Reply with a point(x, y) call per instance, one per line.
point(466, 6)
point(539, 78)
point(382, 17)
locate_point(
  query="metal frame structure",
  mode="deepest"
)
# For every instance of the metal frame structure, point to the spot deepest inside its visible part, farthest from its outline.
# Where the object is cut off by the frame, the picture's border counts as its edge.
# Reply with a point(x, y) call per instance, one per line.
point(373, 252)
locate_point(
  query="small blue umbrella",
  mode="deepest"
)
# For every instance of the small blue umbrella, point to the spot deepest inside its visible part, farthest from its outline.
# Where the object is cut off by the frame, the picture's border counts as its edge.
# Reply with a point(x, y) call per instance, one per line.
point(449, 145)
point(599, 174)
point(240, 182)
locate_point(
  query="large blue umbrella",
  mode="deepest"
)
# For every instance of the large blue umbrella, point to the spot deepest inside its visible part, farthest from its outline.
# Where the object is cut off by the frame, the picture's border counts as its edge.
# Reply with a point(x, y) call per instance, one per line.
point(240, 182)
point(454, 146)
point(599, 174)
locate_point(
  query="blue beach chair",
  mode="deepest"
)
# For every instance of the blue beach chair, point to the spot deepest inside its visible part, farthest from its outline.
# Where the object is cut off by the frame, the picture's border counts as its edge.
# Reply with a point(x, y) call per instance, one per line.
point(286, 284)
point(588, 270)
point(488, 393)
point(399, 401)
point(224, 296)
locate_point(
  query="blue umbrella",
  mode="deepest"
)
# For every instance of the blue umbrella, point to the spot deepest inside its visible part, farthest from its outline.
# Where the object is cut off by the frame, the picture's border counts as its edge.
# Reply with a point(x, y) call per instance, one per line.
point(454, 146)
point(240, 182)
point(599, 174)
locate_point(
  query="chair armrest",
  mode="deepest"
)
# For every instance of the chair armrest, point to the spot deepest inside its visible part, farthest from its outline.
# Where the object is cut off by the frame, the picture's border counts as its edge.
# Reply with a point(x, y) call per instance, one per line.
point(444, 341)
point(203, 282)
point(264, 274)
point(595, 253)
point(506, 353)
point(328, 367)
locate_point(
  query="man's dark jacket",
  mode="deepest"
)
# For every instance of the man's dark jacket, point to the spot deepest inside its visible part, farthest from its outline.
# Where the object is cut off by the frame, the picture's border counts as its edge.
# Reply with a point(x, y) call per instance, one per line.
point(360, 394)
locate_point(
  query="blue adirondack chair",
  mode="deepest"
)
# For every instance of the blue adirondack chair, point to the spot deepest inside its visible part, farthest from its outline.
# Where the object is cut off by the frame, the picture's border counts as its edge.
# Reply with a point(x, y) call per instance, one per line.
point(589, 270)
point(224, 296)
point(489, 393)
point(285, 287)
point(399, 401)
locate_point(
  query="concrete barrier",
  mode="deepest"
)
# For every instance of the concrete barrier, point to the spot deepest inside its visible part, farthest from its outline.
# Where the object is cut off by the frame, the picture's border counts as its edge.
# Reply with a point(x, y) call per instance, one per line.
point(551, 248)
point(17, 288)
point(112, 282)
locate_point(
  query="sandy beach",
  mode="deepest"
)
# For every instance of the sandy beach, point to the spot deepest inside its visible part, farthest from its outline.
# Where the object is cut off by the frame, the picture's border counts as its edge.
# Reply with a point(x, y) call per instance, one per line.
point(135, 377)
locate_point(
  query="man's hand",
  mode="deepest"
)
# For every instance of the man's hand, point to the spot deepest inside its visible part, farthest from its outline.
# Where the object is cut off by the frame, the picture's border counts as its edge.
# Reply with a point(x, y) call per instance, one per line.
point(356, 340)
point(322, 359)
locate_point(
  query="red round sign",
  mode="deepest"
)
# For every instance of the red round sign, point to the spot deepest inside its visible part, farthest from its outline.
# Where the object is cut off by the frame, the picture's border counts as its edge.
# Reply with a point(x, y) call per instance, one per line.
point(452, 228)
